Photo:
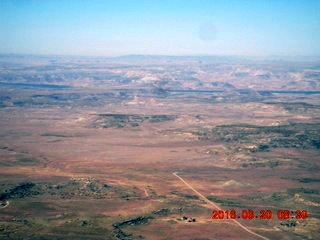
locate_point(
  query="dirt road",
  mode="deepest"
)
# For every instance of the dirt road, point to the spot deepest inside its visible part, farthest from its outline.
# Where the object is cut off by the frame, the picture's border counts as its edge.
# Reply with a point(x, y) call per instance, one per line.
point(217, 207)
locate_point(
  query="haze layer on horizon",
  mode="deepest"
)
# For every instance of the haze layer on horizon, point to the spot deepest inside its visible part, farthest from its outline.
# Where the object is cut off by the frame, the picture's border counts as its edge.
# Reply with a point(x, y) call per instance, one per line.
point(178, 27)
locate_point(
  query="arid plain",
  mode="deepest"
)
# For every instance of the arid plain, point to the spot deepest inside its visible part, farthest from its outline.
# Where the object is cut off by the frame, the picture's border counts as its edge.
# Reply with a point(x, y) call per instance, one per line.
point(89, 147)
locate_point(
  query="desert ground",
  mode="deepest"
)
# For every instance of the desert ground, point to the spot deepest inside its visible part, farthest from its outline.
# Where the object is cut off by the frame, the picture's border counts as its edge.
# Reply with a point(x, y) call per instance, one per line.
point(113, 148)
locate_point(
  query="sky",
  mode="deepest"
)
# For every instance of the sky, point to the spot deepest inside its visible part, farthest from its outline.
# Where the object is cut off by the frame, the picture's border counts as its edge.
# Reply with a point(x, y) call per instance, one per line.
point(163, 27)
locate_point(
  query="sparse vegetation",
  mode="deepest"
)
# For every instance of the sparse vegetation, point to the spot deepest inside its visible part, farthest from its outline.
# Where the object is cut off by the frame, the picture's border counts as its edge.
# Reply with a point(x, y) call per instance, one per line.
point(294, 135)
point(226, 202)
point(124, 120)
point(73, 189)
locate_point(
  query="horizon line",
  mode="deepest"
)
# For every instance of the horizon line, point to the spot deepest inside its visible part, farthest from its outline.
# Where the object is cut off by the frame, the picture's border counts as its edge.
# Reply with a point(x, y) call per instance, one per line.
point(160, 55)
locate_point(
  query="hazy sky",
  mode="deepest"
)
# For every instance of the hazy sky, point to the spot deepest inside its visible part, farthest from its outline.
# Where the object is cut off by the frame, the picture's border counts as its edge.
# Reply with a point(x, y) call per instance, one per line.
point(176, 27)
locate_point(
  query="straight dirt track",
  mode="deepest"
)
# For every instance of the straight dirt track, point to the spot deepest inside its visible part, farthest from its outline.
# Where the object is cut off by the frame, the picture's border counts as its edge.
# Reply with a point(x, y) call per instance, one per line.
point(217, 207)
